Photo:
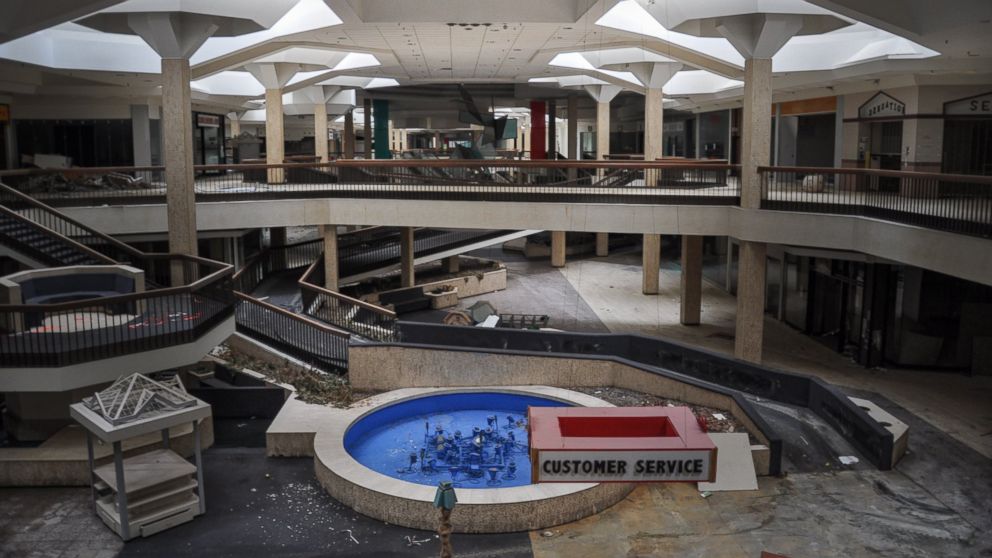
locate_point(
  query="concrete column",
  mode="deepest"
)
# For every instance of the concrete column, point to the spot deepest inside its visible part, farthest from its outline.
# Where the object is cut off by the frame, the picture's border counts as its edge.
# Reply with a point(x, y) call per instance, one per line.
point(330, 235)
point(407, 278)
point(651, 263)
point(756, 128)
point(367, 139)
point(177, 128)
point(750, 301)
point(141, 136)
point(653, 124)
point(602, 150)
point(557, 248)
point(320, 131)
point(437, 140)
point(602, 130)
point(692, 279)
point(602, 244)
point(451, 264)
point(349, 135)
point(235, 127)
point(651, 253)
point(275, 147)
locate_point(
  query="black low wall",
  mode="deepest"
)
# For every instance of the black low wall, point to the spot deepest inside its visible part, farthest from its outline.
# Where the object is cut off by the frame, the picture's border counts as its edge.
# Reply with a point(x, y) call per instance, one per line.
point(718, 372)
point(235, 395)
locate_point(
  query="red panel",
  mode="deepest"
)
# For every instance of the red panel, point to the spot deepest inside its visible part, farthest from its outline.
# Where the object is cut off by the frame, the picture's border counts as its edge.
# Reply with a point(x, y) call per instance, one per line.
point(612, 427)
point(615, 428)
point(538, 130)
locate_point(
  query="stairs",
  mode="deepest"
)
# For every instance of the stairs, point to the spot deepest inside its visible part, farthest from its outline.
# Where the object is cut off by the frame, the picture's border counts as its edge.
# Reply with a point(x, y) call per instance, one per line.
point(37, 243)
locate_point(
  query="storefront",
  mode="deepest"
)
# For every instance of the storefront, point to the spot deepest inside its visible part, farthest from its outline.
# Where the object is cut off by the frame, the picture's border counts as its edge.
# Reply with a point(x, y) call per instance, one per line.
point(208, 138)
point(968, 136)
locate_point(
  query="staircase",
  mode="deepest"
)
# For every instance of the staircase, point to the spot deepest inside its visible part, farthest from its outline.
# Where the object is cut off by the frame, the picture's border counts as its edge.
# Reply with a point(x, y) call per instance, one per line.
point(43, 246)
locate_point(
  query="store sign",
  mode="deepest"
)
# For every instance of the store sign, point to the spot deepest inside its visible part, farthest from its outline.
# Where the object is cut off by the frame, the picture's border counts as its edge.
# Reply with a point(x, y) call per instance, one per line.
point(882, 105)
point(4, 113)
point(979, 105)
point(625, 466)
point(673, 127)
point(207, 121)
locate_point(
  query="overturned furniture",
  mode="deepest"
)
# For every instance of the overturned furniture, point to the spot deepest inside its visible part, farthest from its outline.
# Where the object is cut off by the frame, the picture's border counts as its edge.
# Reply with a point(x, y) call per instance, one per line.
point(149, 492)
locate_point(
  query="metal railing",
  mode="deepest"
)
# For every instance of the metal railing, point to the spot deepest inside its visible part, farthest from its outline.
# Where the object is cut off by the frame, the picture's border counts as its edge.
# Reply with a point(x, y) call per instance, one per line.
point(948, 202)
point(66, 333)
point(357, 316)
point(656, 182)
point(308, 340)
point(274, 259)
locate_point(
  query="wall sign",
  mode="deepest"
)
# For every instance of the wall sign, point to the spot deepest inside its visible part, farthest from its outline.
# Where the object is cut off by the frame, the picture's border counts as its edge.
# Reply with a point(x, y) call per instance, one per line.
point(208, 121)
point(979, 105)
point(882, 105)
point(624, 466)
point(619, 444)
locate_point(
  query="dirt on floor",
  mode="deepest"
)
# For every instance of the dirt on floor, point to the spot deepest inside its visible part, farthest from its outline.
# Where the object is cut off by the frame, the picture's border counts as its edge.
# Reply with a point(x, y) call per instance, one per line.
point(716, 419)
point(312, 386)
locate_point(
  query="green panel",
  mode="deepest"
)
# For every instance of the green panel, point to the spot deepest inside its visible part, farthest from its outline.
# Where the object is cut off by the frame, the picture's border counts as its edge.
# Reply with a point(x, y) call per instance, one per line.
point(380, 113)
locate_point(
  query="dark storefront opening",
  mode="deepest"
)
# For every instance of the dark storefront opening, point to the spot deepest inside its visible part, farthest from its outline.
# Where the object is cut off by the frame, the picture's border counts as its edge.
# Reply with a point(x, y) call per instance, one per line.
point(89, 143)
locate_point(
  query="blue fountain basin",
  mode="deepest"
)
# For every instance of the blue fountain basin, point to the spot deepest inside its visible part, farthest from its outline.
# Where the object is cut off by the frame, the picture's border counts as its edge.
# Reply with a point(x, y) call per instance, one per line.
point(401, 440)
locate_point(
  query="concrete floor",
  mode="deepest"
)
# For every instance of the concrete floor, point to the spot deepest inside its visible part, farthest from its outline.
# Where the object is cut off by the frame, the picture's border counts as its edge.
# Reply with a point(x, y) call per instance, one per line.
point(937, 502)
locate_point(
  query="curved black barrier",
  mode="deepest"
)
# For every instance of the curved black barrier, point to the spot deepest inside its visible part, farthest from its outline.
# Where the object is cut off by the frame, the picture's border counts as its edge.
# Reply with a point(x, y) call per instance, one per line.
point(690, 364)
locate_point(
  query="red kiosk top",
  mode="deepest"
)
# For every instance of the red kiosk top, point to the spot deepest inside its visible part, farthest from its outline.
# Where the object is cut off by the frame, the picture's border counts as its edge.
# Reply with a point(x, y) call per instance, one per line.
point(619, 444)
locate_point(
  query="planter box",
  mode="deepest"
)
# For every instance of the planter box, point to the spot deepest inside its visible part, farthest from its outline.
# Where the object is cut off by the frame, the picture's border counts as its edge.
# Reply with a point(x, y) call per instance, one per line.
point(444, 299)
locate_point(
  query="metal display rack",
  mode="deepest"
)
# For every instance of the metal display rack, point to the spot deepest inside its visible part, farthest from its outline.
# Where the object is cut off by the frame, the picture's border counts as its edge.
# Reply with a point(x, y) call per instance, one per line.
point(153, 491)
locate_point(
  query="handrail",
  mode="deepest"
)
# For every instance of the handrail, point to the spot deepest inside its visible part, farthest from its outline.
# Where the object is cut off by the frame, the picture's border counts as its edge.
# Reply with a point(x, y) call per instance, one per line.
point(974, 178)
point(292, 315)
point(305, 284)
point(52, 211)
point(394, 163)
point(53, 234)
point(128, 297)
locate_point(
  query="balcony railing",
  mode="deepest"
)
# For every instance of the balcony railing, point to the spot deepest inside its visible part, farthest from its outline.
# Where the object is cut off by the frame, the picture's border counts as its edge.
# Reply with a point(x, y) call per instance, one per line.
point(659, 182)
point(948, 202)
point(62, 334)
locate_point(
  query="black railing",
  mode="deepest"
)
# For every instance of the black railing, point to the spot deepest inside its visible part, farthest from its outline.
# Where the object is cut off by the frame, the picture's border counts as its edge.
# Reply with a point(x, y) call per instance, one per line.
point(274, 259)
point(658, 182)
point(61, 334)
point(949, 202)
point(695, 364)
point(357, 316)
point(308, 340)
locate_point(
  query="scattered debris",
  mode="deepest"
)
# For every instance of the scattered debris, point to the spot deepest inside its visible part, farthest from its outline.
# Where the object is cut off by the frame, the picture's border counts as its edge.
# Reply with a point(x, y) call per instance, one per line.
point(848, 459)
point(413, 541)
point(706, 494)
point(719, 416)
point(547, 534)
point(353, 539)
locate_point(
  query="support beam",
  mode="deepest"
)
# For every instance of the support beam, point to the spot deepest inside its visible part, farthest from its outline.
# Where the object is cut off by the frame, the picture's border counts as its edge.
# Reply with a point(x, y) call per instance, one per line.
point(177, 127)
point(141, 136)
point(330, 236)
point(602, 244)
point(651, 253)
point(407, 278)
point(349, 135)
point(235, 127)
point(651, 263)
point(692, 280)
point(275, 147)
point(750, 301)
point(573, 127)
point(557, 248)
point(451, 264)
point(320, 132)
point(756, 127)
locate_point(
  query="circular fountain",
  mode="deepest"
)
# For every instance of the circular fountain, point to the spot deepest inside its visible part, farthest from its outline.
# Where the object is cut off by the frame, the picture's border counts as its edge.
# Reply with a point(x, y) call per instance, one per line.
point(386, 458)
